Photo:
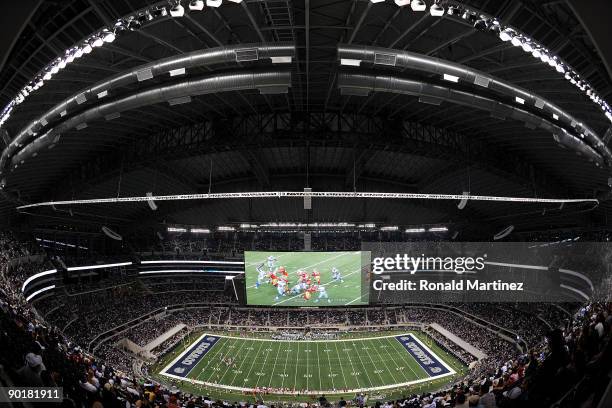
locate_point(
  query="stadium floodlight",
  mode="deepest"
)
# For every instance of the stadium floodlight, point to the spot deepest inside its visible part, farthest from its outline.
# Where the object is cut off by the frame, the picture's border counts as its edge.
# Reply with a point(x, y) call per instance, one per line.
point(517, 41)
point(536, 53)
point(96, 41)
point(402, 3)
point(226, 228)
point(555, 116)
point(177, 10)
point(369, 225)
point(454, 10)
point(236, 1)
point(519, 100)
point(560, 69)
point(435, 10)
point(450, 78)
point(418, 5)
point(390, 228)
point(482, 24)
point(214, 3)
point(175, 229)
point(527, 47)
point(108, 36)
point(438, 229)
point(196, 5)
point(414, 230)
point(376, 1)
point(159, 11)
point(281, 60)
point(506, 34)
point(350, 62)
point(86, 48)
point(199, 231)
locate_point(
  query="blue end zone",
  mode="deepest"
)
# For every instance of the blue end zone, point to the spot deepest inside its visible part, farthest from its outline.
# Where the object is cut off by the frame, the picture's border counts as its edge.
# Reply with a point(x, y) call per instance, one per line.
point(430, 364)
point(192, 357)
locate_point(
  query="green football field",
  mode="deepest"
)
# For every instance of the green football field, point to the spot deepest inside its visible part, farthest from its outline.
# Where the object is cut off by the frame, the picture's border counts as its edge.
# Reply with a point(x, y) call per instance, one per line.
point(348, 292)
point(322, 366)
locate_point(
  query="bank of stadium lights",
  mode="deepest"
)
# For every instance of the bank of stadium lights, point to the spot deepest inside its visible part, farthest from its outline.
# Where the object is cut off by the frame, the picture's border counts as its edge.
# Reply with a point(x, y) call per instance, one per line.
point(438, 229)
point(507, 34)
point(199, 231)
point(176, 229)
point(223, 228)
point(435, 10)
point(98, 39)
point(196, 5)
point(389, 228)
point(414, 230)
point(450, 78)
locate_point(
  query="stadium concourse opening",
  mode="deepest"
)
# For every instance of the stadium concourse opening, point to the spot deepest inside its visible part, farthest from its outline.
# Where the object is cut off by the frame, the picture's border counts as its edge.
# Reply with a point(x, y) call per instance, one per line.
point(313, 203)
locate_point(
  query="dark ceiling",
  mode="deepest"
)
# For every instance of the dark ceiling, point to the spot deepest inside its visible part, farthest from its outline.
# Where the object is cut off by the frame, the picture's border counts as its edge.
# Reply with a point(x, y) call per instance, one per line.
point(312, 136)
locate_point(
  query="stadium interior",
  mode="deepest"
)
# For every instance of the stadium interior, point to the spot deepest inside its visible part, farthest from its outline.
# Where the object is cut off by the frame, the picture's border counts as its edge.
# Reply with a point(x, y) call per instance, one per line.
point(193, 194)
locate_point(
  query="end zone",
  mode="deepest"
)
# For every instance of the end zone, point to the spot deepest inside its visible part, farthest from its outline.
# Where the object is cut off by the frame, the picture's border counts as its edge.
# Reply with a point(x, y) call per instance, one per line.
point(181, 366)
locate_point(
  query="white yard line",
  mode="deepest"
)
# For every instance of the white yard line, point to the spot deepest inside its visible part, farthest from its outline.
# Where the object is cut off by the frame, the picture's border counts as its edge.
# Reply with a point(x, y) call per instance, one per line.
point(274, 367)
point(254, 360)
point(296, 368)
point(319, 366)
point(397, 366)
point(383, 359)
point(340, 359)
point(239, 369)
point(224, 373)
point(362, 365)
point(331, 372)
point(264, 365)
point(285, 368)
point(307, 353)
point(374, 364)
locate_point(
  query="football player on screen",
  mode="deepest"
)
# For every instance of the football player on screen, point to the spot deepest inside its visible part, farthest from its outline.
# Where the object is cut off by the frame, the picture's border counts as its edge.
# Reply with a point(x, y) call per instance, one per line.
point(316, 276)
point(322, 293)
point(336, 275)
point(261, 275)
point(280, 288)
point(271, 262)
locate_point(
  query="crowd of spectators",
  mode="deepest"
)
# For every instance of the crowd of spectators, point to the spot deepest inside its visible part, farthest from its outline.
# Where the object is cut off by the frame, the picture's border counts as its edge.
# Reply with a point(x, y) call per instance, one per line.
point(570, 364)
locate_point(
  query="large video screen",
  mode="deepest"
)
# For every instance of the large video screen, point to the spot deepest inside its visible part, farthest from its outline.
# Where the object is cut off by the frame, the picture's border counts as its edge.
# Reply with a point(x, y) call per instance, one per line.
point(306, 279)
